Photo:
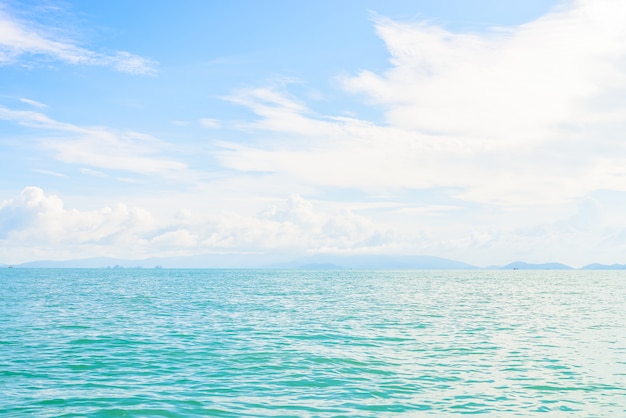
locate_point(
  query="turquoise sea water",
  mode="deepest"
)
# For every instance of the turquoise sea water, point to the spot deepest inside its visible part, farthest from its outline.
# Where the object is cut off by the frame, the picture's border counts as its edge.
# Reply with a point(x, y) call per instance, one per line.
point(183, 343)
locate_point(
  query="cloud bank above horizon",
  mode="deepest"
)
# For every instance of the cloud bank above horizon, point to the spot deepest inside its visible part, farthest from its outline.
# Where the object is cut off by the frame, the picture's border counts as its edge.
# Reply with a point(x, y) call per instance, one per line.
point(486, 146)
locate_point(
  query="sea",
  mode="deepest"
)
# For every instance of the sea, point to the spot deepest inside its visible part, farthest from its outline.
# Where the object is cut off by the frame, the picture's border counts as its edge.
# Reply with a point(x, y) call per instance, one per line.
point(257, 343)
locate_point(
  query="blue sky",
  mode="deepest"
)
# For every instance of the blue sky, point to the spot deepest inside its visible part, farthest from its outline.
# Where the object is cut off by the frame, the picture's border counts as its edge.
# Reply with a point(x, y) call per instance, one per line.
point(484, 131)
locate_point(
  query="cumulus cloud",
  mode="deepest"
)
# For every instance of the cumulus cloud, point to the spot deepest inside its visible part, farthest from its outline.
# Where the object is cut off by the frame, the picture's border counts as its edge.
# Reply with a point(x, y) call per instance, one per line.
point(294, 226)
point(528, 115)
point(38, 224)
point(22, 41)
point(34, 218)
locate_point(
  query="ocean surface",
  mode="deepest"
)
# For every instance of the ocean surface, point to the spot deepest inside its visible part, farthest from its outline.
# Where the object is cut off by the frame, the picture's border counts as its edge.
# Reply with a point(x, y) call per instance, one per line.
point(235, 343)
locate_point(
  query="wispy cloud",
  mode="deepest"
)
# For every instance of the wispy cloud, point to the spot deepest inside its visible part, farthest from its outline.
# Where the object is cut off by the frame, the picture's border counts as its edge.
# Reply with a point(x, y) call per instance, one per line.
point(50, 173)
point(23, 41)
point(94, 173)
point(529, 115)
point(33, 103)
point(98, 146)
point(210, 123)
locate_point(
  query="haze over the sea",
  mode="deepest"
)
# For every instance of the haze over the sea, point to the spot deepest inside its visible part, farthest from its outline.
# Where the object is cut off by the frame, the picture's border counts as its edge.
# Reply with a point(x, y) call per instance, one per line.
point(475, 130)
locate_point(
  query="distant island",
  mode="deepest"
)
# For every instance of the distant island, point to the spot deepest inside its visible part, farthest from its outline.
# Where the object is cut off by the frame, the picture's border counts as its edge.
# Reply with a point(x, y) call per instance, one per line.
point(314, 262)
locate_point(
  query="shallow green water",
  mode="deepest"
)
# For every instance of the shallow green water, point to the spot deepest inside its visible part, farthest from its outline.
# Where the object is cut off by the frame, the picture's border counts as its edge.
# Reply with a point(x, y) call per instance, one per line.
point(178, 343)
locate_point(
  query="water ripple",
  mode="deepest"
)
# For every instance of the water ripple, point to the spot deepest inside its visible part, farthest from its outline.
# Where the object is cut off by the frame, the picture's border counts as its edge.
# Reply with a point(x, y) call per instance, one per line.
point(311, 344)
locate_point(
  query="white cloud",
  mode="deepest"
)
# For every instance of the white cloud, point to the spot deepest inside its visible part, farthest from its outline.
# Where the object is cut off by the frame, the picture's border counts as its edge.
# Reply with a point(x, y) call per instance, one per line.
point(531, 115)
point(126, 151)
point(50, 173)
point(97, 146)
point(33, 103)
point(41, 220)
point(294, 226)
point(36, 224)
point(515, 85)
point(487, 140)
point(25, 41)
point(210, 123)
point(94, 173)
point(126, 62)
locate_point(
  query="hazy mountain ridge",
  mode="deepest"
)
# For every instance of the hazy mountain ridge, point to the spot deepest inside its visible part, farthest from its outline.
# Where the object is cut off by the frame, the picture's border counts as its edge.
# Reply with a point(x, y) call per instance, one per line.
point(597, 266)
point(376, 262)
point(315, 262)
point(197, 261)
point(521, 265)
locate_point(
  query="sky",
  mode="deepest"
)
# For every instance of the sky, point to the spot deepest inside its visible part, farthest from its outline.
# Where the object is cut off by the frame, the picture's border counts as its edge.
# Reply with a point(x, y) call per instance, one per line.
point(477, 130)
